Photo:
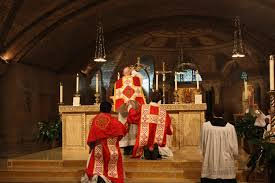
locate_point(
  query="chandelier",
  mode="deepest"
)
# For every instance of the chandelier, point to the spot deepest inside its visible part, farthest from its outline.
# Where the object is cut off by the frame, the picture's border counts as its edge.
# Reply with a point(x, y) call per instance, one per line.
point(100, 54)
point(238, 49)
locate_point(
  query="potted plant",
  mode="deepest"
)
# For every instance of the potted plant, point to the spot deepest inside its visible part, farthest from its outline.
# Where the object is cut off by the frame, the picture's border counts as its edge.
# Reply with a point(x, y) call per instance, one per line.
point(50, 131)
point(261, 148)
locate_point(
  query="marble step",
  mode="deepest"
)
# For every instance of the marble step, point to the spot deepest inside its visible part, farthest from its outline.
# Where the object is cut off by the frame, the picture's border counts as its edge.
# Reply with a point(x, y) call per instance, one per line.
point(82, 164)
point(162, 180)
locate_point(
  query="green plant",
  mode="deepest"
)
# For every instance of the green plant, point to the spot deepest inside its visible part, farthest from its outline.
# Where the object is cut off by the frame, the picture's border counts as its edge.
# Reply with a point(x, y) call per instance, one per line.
point(262, 156)
point(49, 131)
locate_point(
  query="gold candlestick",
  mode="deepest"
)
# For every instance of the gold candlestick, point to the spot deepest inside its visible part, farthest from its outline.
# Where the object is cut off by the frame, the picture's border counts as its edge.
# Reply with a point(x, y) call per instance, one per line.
point(176, 97)
point(272, 115)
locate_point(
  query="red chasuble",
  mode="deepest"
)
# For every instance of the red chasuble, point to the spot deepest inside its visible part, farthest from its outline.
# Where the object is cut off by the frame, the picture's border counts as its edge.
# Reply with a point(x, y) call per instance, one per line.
point(105, 159)
point(154, 124)
point(128, 88)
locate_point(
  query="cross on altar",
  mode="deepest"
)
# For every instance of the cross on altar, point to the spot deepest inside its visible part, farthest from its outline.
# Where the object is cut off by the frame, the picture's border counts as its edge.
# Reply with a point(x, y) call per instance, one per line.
point(163, 72)
point(138, 66)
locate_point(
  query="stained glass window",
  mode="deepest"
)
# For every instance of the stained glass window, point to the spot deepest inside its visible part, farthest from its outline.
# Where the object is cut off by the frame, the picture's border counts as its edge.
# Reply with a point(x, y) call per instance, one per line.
point(188, 75)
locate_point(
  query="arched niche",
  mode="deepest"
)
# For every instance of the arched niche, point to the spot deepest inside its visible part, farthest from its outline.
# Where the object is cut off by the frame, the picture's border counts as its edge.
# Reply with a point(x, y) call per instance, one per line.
point(148, 74)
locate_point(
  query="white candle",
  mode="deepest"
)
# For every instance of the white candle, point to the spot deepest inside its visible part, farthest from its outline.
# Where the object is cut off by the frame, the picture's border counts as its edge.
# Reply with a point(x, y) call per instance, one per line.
point(118, 76)
point(77, 83)
point(176, 81)
point(245, 90)
point(157, 81)
point(197, 79)
point(96, 83)
point(61, 93)
point(271, 72)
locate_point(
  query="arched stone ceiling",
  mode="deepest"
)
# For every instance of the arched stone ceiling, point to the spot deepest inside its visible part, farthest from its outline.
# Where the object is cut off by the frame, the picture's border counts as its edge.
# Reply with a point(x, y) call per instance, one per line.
point(59, 35)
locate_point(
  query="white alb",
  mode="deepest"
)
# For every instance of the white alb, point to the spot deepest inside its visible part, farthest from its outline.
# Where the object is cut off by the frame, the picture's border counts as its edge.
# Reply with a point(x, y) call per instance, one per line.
point(219, 147)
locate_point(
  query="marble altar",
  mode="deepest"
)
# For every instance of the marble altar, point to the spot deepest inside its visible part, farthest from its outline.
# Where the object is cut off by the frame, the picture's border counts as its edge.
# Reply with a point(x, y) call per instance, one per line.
point(186, 120)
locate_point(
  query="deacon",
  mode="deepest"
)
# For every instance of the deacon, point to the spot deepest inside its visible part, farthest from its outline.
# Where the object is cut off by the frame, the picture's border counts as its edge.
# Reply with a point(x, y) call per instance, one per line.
point(154, 124)
point(127, 88)
point(105, 161)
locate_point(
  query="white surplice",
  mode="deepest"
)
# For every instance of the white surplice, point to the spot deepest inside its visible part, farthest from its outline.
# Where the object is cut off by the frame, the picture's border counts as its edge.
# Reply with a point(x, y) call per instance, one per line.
point(219, 147)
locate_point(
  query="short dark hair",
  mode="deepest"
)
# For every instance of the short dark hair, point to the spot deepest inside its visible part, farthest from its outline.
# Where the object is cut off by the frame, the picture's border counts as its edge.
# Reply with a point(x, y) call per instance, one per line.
point(156, 96)
point(105, 107)
point(218, 111)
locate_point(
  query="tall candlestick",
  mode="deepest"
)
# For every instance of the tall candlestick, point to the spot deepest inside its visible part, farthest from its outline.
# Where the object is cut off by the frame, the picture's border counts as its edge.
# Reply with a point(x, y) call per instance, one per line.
point(176, 81)
point(60, 93)
point(245, 90)
point(96, 84)
point(118, 76)
point(271, 72)
point(157, 81)
point(77, 83)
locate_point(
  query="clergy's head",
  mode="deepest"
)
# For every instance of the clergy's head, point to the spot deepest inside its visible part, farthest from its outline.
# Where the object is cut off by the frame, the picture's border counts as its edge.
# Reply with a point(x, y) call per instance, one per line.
point(105, 107)
point(156, 96)
point(127, 71)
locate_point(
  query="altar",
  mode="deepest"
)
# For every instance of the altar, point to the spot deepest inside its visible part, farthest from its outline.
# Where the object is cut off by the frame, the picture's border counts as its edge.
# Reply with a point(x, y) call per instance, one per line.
point(186, 121)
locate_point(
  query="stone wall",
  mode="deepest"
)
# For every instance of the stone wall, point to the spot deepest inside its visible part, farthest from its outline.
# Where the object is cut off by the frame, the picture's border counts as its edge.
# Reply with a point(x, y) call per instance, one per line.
point(28, 95)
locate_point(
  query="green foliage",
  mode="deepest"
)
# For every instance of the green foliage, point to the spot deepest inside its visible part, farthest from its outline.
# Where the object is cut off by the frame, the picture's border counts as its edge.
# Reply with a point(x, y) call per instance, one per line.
point(245, 127)
point(49, 131)
point(263, 153)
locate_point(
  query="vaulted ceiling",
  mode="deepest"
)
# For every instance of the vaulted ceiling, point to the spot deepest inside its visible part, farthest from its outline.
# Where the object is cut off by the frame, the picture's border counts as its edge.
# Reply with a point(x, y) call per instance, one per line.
point(59, 35)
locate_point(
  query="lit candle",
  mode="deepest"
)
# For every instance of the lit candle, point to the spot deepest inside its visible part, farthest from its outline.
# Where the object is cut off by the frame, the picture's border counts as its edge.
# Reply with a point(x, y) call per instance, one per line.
point(245, 90)
point(197, 79)
point(96, 83)
point(60, 93)
point(157, 81)
point(118, 76)
point(271, 72)
point(77, 83)
point(176, 81)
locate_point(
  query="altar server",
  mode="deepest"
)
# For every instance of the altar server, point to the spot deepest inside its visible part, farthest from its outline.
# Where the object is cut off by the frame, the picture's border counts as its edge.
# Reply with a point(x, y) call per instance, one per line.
point(219, 148)
point(105, 160)
point(154, 124)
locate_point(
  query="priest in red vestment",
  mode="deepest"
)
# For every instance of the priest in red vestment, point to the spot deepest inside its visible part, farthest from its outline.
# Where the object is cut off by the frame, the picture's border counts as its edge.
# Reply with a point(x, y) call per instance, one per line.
point(154, 124)
point(105, 162)
point(128, 88)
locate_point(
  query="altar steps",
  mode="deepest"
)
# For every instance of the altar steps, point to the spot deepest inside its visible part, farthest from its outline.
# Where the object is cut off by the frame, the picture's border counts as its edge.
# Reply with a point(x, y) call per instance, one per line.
point(137, 171)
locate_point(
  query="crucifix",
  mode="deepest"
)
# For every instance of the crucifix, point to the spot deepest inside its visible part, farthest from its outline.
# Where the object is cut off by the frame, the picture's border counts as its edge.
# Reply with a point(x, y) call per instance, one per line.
point(163, 72)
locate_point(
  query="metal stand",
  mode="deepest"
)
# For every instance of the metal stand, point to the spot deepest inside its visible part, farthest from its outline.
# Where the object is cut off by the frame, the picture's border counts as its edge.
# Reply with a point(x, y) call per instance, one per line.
point(97, 98)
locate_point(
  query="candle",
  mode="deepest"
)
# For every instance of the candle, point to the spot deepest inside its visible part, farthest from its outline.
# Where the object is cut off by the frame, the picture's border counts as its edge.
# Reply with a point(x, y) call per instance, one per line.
point(138, 61)
point(271, 72)
point(60, 93)
point(245, 90)
point(157, 81)
point(197, 79)
point(96, 84)
point(118, 76)
point(176, 81)
point(77, 83)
